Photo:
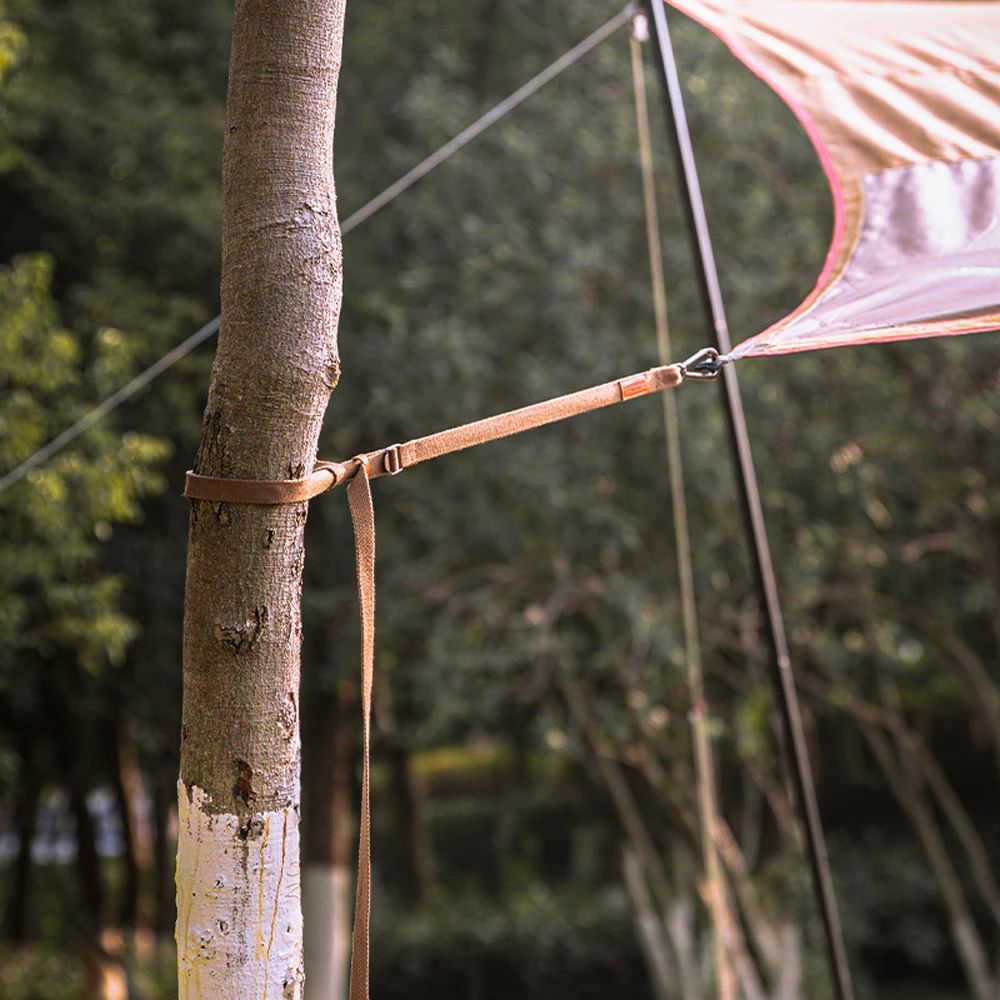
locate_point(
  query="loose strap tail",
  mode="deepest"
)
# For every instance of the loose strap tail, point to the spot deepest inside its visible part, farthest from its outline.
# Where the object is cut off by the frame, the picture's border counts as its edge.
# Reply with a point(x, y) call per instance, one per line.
point(358, 472)
point(359, 499)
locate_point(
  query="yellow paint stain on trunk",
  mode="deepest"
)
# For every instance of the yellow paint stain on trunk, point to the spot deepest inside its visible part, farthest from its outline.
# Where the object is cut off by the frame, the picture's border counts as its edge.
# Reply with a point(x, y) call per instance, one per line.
point(225, 945)
point(260, 888)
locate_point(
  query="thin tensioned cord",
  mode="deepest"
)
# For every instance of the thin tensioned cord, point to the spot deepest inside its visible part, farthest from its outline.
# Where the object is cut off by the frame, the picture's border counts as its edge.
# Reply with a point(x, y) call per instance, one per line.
point(707, 803)
point(490, 118)
point(111, 403)
point(354, 220)
point(389, 461)
point(781, 664)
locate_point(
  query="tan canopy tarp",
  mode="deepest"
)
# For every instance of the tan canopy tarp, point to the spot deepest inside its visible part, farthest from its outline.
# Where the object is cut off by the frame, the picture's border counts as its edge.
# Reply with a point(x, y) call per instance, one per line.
point(902, 101)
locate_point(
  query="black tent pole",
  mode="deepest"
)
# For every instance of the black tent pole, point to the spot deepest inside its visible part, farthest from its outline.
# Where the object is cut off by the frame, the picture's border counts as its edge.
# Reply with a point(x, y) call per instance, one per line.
point(784, 682)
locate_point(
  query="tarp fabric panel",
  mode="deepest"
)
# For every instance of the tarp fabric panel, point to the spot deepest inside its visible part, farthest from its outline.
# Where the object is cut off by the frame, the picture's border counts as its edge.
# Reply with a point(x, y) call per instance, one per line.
point(902, 102)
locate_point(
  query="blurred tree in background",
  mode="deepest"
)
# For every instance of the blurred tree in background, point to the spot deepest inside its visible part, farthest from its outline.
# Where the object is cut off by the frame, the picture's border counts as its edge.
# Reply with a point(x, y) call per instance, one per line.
point(534, 784)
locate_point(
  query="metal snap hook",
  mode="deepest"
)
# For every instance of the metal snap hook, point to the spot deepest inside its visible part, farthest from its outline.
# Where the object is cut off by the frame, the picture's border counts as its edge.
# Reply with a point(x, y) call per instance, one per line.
point(703, 366)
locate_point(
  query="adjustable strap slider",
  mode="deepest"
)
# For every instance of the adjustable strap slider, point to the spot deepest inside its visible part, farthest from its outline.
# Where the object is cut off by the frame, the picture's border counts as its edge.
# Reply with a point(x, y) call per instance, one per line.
point(392, 460)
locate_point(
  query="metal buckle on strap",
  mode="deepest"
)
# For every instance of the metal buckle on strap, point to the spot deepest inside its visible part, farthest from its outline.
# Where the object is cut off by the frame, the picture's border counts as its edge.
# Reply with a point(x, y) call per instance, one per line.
point(704, 366)
point(392, 460)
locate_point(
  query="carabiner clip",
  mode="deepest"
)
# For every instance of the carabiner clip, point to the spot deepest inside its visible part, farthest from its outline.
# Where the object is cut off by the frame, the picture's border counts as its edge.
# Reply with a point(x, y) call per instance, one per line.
point(704, 366)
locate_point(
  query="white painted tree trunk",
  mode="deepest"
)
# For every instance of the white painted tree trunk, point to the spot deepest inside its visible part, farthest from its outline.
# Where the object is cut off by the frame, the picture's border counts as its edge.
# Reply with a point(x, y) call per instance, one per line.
point(327, 907)
point(652, 934)
point(789, 978)
point(239, 923)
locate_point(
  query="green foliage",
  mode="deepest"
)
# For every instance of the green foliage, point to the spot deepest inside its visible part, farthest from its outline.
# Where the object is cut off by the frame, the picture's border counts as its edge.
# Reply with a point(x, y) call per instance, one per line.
point(515, 272)
point(40, 973)
point(543, 945)
point(12, 45)
point(115, 117)
point(56, 519)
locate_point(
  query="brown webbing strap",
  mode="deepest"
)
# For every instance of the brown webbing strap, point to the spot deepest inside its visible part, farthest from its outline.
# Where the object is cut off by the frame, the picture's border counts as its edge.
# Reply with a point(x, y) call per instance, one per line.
point(389, 461)
point(270, 492)
point(395, 458)
point(359, 499)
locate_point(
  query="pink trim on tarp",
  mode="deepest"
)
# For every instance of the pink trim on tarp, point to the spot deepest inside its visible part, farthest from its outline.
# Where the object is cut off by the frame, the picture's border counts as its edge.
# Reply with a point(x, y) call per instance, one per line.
point(912, 331)
point(826, 162)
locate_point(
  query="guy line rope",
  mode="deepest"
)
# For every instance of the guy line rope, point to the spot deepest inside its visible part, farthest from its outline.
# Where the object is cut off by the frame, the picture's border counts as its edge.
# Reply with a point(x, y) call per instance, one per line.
point(726, 951)
point(367, 210)
point(357, 472)
point(706, 364)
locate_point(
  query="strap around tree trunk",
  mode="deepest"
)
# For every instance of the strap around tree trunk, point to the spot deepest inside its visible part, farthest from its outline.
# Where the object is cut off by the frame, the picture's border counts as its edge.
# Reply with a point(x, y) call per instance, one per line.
point(389, 461)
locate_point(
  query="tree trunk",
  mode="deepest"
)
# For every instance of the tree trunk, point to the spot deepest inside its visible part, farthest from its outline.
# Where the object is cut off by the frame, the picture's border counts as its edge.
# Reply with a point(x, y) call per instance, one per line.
point(136, 835)
point(164, 818)
point(652, 934)
point(239, 921)
point(18, 916)
point(128, 907)
point(788, 981)
point(88, 864)
point(679, 918)
point(407, 797)
point(969, 944)
point(103, 975)
point(328, 848)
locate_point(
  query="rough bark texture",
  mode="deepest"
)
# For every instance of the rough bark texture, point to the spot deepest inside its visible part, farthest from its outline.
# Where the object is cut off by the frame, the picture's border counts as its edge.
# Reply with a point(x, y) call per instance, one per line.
point(239, 920)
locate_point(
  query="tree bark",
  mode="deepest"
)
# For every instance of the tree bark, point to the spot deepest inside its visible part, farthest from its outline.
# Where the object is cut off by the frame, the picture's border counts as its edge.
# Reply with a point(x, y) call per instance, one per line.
point(239, 922)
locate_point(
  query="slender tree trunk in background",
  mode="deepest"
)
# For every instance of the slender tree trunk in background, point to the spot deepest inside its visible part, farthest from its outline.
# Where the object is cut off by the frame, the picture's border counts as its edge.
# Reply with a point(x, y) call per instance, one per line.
point(17, 919)
point(680, 915)
point(164, 782)
point(788, 981)
point(328, 847)
point(128, 909)
point(652, 933)
point(406, 796)
point(410, 821)
point(88, 864)
point(134, 914)
point(239, 921)
point(104, 977)
point(642, 848)
point(969, 945)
